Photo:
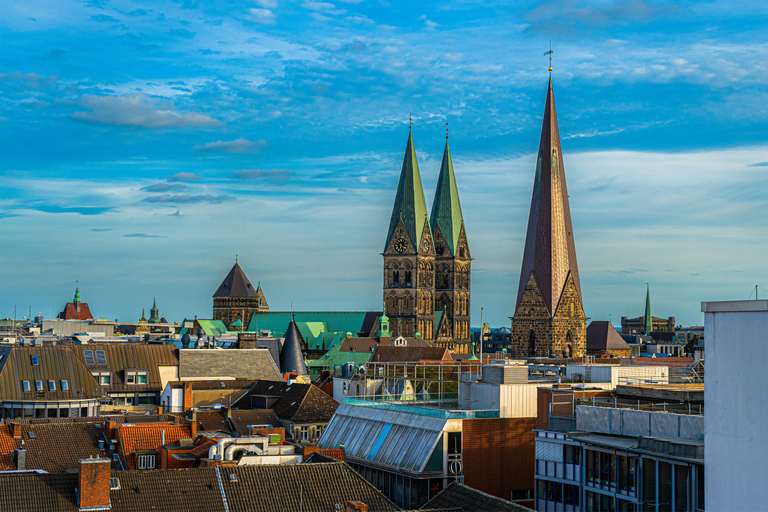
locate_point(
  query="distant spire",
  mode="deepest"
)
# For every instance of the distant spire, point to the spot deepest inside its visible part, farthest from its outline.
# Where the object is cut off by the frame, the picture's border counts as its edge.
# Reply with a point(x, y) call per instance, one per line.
point(446, 207)
point(235, 258)
point(648, 320)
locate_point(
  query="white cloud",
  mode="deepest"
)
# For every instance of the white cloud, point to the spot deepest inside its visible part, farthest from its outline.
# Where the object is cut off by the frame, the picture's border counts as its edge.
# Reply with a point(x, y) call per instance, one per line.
point(263, 16)
point(266, 4)
point(232, 146)
point(139, 110)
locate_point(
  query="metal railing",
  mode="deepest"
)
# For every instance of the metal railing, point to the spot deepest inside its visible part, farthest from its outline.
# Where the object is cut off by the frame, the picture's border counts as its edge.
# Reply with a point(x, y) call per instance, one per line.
point(691, 409)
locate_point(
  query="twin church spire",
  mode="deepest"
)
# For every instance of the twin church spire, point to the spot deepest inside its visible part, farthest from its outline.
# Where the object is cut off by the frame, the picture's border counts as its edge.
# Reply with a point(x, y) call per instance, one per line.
point(426, 257)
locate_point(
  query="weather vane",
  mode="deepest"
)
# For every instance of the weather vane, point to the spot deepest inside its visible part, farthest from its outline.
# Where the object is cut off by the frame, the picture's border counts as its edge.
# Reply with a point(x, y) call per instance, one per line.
point(550, 52)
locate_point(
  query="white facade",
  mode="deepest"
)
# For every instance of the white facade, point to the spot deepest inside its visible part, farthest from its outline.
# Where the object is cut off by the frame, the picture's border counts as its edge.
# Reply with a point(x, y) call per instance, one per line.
point(616, 374)
point(736, 398)
point(511, 400)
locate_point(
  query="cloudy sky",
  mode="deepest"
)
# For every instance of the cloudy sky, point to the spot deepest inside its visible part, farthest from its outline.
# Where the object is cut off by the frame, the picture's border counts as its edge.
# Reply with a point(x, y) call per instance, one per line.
point(144, 144)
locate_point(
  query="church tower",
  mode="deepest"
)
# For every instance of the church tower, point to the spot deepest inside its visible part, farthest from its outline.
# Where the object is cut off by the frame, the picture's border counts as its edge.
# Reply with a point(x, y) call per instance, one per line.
point(237, 299)
point(549, 315)
point(409, 256)
point(452, 259)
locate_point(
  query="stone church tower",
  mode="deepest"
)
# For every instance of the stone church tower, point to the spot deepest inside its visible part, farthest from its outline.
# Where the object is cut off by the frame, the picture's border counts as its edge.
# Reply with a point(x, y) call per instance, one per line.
point(236, 299)
point(549, 315)
point(452, 259)
point(409, 256)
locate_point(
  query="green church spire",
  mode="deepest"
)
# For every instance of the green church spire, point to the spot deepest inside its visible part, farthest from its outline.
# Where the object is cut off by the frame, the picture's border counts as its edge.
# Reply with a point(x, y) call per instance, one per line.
point(410, 206)
point(77, 296)
point(648, 324)
point(446, 208)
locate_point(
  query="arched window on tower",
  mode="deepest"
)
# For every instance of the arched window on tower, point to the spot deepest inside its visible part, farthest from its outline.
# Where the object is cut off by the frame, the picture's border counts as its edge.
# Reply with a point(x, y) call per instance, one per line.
point(407, 280)
point(532, 344)
point(568, 341)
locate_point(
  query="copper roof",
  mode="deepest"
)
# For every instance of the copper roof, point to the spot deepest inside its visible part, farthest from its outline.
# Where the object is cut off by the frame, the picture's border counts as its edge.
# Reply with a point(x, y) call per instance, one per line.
point(550, 254)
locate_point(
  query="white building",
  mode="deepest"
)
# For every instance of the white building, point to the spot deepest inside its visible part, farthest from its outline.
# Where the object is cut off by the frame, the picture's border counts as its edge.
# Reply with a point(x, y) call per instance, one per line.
point(736, 441)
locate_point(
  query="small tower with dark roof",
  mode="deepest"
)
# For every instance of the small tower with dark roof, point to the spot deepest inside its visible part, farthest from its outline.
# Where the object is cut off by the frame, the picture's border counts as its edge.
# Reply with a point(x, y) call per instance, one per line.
point(236, 298)
point(154, 314)
point(648, 319)
point(291, 357)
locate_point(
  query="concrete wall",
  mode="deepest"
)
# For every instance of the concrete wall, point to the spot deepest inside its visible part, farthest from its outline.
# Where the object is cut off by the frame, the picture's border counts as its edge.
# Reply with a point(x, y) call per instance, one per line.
point(72, 327)
point(736, 398)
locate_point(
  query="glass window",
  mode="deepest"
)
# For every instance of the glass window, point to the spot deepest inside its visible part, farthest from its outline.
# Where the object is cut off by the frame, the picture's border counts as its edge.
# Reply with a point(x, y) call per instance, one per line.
point(130, 378)
point(145, 400)
point(25, 385)
point(541, 489)
point(64, 385)
point(101, 357)
point(64, 412)
point(39, 385)
point(649, 482)
point(51, 385)
point(141, 378)
point(35, 361)
point(88, 356)
point(681, 487)
point(104, 379)
point(665, 485)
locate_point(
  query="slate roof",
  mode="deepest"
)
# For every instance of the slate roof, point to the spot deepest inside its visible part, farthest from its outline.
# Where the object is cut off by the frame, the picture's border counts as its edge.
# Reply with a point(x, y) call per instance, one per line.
point(466, 499)
point(235, 363)
point(54, 363)
point(601, 335)
point(240, 419)
point(388, 354)
point(291, 358)
point(410, 206)
point(446, 207)
point(300, 403)
point(236, 284)
point(316, 487)
point(550, 253)
point(129, 356)
point(212, 421)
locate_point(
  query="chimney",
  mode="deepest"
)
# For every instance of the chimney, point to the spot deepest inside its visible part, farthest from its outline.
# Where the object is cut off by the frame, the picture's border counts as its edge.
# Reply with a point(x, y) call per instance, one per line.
point(93, 484)
point(21, 459)
point(193, 429)
point(16, 430)
point(187, 400)
point(355, 506)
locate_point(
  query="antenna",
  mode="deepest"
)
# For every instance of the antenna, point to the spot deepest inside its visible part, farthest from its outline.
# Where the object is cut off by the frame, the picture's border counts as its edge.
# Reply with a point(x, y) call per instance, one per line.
point(550, 52)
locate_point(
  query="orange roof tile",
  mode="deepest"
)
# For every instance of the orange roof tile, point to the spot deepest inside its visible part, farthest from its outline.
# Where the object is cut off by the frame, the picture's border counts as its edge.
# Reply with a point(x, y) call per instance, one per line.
point(149, 436)
point(7, 445)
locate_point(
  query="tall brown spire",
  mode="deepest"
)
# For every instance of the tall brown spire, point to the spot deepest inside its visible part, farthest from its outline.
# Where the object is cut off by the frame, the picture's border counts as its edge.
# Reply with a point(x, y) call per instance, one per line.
point(550, 254)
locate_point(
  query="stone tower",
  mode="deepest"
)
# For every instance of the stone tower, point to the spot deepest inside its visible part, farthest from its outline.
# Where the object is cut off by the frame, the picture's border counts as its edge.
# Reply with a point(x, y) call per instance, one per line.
point(452, 259)
point(236, 298)
point(549, 315)
point(409, 256)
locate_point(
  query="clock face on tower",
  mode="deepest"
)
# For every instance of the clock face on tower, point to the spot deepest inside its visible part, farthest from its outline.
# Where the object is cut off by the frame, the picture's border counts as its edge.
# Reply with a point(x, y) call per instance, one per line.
point(401, 245)
point(425, 245)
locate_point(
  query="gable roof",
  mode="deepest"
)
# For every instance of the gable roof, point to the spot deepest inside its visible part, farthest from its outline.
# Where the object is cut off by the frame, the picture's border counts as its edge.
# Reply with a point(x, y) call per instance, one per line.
point(466, 499)
point(169, 490)
point(53, 363)
point(601, 335)
point(297, 402)
point(212, 421)
point(254, 363)
point(390, 354)
point(410, 206)
point(241, 419)
point(446, 207)
point(149, 436)
point(236, 284)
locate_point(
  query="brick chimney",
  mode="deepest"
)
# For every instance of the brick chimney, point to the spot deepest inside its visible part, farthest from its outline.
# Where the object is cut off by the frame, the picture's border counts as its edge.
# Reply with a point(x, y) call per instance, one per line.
point(16, 430)
point(355, 506)
point(93, 484)
point(187, 397)
point(193, 428)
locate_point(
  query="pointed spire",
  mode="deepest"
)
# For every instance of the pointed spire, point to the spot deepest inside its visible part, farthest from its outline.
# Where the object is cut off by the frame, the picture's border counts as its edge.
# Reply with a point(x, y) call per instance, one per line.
point(410, 206)
point(550, 253)
point(446, 207)
point(236, 284)
point(648, 323)
point(291, 358)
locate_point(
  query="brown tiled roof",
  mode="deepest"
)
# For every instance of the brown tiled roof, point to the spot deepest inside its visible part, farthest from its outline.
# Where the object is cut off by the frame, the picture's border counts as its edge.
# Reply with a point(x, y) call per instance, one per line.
point(240, 419)
point(212, 421)
point(388, 354)
point(54, 363)
point(129, 356)
point(117, 418)
point(214, 384)
point(601, 335)
point(71, 312)
point(359, 345)
point(202, 449)
point(460, 497)
point(34, 492)
point(299, 487)
point(168, 490)
point(57, 448)
point(301, 403)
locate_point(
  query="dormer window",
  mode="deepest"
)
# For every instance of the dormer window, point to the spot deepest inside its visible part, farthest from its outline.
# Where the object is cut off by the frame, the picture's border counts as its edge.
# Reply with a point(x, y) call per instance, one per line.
point(64, 385)
point(35, 361)
point(25, 385)
point(39, 385)
point(136, 376)
point(51, 385)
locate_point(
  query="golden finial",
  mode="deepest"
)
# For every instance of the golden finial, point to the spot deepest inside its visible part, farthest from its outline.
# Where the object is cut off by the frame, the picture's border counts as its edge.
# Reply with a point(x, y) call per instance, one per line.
point(550, 57)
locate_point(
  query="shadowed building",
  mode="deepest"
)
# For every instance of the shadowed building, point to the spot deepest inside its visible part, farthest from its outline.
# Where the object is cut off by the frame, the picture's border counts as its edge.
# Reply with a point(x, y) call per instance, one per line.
point(549, 315)
point(236, 299)
point(409, 256)
point(452, 259)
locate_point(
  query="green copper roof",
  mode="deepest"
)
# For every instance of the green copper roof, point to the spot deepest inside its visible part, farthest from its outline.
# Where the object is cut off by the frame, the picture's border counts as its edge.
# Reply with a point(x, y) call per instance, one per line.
point(410, 205)
point(446, 208)
point(77, 296)
point(648, 324)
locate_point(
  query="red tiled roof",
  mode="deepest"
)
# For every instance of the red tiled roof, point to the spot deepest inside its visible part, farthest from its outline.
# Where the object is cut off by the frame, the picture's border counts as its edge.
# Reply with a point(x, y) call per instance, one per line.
point(71, 312)
point(7, 445)
point(149, 436)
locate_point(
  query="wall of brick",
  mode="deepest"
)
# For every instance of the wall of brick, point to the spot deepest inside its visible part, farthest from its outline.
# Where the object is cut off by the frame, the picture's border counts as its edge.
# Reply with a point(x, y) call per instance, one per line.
point(499, 455)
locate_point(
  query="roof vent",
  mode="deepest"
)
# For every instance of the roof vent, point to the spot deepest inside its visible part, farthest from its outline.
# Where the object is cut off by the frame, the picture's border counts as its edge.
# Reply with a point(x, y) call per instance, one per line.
point(114, 483)
point(233, 477)
point(32, 435)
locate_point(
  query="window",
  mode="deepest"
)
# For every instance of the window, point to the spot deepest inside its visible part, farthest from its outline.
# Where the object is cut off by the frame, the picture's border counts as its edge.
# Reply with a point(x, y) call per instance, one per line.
point(136, 376)
point(103, 378)
point(25, 385)
point(35, 361)
point(305, 433)
point(101, 357)
point(51, 385)
point(64, 385)
point(522, 495)
point(145, 461)
point(88, 356)
point(39, 385)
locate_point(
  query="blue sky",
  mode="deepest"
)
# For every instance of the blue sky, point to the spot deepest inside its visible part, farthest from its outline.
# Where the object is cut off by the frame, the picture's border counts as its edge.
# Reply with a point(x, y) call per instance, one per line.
point(144, 144)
